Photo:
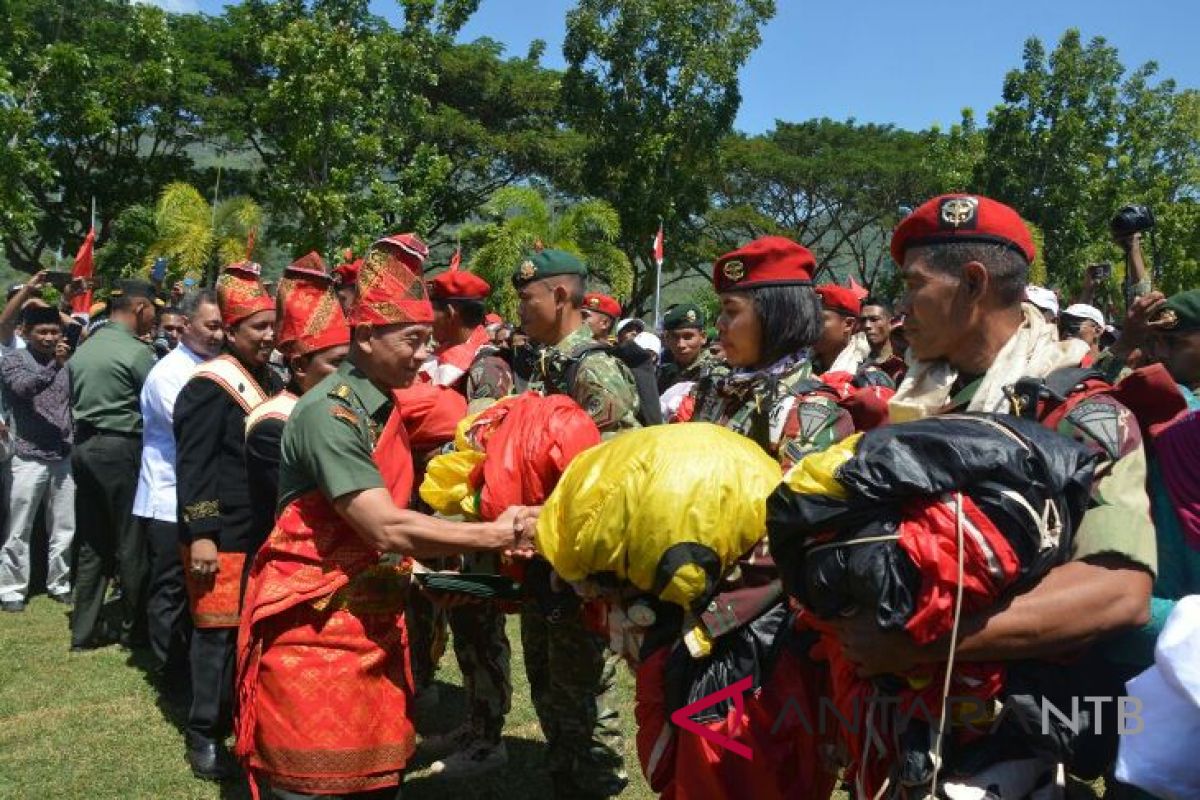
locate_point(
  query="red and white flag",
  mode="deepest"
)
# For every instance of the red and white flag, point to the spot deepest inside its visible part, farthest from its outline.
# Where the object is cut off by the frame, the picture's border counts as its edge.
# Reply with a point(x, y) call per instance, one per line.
point(456, 259)
point(658, 246)
point(858, 289)
point(84, 263)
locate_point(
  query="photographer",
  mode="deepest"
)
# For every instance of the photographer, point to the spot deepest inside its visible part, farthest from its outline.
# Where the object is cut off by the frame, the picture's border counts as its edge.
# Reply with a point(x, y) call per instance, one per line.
point(37, 392)
point(1142, 302)
point(1127, 228)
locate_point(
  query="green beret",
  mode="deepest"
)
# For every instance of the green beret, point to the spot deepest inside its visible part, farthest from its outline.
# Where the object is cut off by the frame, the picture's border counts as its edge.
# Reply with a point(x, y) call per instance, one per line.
point(684, 315)
point(547, 264)
point(1180, 314)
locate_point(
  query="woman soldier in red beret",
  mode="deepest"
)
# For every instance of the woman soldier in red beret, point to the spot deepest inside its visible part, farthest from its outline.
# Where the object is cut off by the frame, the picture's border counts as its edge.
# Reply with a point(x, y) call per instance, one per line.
point(770, 319)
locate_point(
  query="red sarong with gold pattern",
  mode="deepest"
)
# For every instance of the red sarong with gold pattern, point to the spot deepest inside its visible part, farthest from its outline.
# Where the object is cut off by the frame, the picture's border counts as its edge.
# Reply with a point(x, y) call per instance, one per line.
point(323, 675)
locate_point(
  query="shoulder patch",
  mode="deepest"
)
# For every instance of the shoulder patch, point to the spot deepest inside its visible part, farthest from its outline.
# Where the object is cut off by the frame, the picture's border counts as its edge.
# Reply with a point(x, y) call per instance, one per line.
point(1101, 422)
point(344, 414)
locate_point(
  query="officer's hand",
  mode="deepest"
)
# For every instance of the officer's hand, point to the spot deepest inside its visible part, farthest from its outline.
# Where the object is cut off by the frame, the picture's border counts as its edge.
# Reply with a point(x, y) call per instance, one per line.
point(203, 558)
point(37, 281)
point(875, 651)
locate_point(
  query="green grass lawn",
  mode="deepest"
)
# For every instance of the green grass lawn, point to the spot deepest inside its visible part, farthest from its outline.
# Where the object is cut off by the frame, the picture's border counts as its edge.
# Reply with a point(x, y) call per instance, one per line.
point(92, 726)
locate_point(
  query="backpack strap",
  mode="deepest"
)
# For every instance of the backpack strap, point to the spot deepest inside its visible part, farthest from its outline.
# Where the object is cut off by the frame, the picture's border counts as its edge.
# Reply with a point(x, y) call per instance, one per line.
point(1038, 398)
point(575, 360)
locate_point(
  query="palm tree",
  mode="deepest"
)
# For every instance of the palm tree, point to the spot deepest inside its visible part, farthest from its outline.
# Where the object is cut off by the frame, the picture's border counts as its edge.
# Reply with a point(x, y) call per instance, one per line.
point(520, 219)
point(197, 238)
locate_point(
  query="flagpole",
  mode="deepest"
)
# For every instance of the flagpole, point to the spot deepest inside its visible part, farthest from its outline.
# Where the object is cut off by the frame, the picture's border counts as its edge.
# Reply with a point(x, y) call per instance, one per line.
point(657, 280)
point(93, 221)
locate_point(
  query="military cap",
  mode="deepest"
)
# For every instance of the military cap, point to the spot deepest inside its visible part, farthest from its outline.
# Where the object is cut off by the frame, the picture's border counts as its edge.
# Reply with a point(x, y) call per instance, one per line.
point(456, 284)
point(839, 299)
point(547, 264)
point(683, 315)
point(963, 218)
point(132, 287)
point(767, 261)
point(603, 304)
point(1180, 314)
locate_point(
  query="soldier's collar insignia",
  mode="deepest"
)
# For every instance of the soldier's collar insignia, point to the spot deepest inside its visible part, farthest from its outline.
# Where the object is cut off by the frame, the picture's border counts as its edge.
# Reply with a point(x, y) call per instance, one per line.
point(527, 271)
point(734, 270)
point(959, 212)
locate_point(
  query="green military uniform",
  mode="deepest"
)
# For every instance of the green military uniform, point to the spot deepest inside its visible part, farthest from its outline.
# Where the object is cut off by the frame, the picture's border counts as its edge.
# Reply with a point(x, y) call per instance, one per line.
point(328, 450)
point(330, 437)
point(107, 373)
point(572, 674)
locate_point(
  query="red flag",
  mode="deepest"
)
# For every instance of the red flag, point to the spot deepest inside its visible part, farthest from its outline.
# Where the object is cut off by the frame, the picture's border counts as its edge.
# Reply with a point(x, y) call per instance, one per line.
point(859, 292)
point(83, 269)
point(658, 246)
point(456, 259)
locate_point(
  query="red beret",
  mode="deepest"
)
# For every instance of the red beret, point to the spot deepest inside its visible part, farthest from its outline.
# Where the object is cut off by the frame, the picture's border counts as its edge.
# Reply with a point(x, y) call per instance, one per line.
point(962, 218)
point(840, 299)
point(769, 261)
point(347, 272)
point(458, 285)
point(594, 301)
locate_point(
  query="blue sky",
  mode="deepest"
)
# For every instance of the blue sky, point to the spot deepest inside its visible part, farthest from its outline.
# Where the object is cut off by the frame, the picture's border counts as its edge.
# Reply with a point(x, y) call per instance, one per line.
point(907, 63)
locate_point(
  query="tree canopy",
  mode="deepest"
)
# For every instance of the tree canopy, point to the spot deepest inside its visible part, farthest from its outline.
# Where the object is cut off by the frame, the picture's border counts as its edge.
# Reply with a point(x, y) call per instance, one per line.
point(330, 125)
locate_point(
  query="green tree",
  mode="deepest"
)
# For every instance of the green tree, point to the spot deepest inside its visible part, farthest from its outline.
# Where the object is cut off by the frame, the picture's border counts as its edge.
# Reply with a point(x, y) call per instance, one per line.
point(497, 120)
point(1072, 141)
point(331, 100)
point(96, 101)
point(653, 86)
point(835, 187)
point(520, 219)
point(197, 238)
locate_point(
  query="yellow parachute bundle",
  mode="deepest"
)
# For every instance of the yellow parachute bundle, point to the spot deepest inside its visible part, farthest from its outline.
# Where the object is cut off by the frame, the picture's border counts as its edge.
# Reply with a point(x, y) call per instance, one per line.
point(447, 487)
point(668, 509)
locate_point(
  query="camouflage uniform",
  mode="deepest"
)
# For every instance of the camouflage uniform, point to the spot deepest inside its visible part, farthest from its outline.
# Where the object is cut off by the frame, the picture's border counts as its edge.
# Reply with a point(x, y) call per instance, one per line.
point(785, 414)
point(489, 377)
point(603, 385)
point(704, 364)
point(572, 674)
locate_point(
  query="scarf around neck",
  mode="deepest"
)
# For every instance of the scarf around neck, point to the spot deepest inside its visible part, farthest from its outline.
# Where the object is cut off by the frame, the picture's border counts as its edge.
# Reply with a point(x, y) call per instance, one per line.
point(1032, 352)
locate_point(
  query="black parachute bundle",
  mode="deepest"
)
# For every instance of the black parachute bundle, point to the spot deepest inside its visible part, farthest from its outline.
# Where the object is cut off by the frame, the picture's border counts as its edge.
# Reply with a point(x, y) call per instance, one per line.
point(838, 551)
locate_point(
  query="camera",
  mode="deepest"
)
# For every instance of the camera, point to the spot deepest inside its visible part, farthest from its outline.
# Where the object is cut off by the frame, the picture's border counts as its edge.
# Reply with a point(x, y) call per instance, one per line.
point(1130, 220)
point(1100, 272)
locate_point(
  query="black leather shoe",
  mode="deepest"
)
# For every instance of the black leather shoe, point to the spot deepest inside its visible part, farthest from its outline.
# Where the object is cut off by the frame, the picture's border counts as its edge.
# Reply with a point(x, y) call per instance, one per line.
point(211, 761)
point(12, 606)
point(62, 597)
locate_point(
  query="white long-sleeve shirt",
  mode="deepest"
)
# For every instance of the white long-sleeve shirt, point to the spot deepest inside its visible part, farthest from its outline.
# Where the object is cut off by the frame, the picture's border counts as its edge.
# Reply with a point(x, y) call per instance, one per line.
point(155, 497)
